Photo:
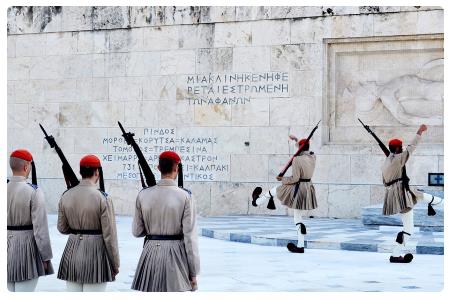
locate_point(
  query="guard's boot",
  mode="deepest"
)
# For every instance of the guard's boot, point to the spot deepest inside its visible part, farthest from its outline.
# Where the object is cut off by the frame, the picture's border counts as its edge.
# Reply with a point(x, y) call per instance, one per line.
point(255, 195)
point(401, 259)
point(293, 248)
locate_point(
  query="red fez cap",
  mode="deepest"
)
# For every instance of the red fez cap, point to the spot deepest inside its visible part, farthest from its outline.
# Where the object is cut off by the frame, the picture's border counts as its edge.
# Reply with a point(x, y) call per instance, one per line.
point(90, 161)
point(303, 141)
point(395, 142)
point(170, 155)
point(22, 154)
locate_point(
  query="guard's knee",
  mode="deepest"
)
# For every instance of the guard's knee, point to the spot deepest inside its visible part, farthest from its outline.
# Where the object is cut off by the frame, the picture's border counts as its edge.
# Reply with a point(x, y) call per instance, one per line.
point(302, 228)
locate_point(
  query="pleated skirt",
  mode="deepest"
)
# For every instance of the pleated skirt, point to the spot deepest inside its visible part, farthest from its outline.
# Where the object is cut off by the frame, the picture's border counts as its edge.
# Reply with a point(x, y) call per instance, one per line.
point(305, 199)
point(85, 260)
point(24, 261)
point(162, 267)
point(396, 200)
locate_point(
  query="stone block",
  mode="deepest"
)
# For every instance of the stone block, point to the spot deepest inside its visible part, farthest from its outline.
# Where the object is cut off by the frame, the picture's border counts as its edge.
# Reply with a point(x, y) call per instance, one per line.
point(346, 201)
point(53, 189)
point(17, 115)
point(196, 36)
point(11, 45)
point(143, 63)
point(232, 34)
point(93, 42)
point(271, 32)
point(45, 113)
point(29, 90)
point(109, 17)
point(126, 40)
point(11, 91)
point(251, 59)
point(395, 24)
point(430, 22)
point(332, 169)
point(61, 43)
point(181, 15)
point(125, 89)
point(376, 194)
point(269, 140)
point(366, 169)
point(418, 168)
point(284, 12)
point(19, 68)
point(58, 90)
point(92, 114)
point(251, 13)
point(76, 18)
point(177, 62)
point(30, 45)
point(254, 113)
point(92, 89)
point(141, 113)
point(123, 195)
point(159, 88)
point(229, 198)
point(161, 38)
point(297, 57)
point(276, 164)
point(175, 113)
point(290, 111)
point(322, 210)
point(201, 193)
point(249, 168)
point(217, 14)
point(212, 115)
point(214, 60)
point(115, 64)
point(306, 83)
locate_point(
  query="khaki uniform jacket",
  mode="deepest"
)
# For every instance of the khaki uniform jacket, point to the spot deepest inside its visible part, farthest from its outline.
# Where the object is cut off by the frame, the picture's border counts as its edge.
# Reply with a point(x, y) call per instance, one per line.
point(27, 249)
point(85, 207)
point(395, 200)
point(26, 206)
point(302, 168)
point(166, 209)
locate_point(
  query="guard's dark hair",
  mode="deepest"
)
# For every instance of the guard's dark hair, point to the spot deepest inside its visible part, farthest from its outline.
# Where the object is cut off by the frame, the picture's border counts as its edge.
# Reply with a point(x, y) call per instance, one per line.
point(395, 150)
point(87, 172)
point(166, 166)
point(305, 147)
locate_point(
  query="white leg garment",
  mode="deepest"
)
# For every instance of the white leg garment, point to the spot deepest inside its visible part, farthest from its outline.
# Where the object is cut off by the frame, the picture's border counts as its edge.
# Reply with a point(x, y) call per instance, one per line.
point(26, 286)
point(74, 286)
point(263, 198)
point(94, 287)
point(436, 200)
point(408, 226)
point(298, 214)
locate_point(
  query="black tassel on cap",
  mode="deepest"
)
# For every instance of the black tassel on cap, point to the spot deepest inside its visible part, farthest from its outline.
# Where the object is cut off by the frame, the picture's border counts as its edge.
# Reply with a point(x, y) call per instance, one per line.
point(431, 211)
point(33, 173)
point(102, 182)
point(180, 175)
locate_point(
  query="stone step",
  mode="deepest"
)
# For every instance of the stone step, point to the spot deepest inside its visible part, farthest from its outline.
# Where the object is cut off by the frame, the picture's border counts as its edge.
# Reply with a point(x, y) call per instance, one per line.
point(373, 216)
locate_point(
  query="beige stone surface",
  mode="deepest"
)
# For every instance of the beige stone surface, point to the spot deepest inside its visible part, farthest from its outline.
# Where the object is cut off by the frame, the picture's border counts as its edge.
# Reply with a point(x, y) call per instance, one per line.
point(79, 70)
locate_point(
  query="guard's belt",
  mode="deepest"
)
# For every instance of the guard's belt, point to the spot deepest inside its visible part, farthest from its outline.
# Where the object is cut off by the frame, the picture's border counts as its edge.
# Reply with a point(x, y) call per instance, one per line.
point(21, 227)
point(393, 181)
point(305, 180)
point(164, 237)
point(85, 231)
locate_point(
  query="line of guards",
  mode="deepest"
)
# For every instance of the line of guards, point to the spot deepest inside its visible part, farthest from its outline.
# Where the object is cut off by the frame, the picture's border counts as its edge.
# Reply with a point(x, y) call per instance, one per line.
point(165, 215)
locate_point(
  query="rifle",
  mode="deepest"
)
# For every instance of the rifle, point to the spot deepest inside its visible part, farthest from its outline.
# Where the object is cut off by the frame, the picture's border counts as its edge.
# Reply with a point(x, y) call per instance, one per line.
point(69, 175)
point(149, 177)
point(380, 143)
point(300, 149)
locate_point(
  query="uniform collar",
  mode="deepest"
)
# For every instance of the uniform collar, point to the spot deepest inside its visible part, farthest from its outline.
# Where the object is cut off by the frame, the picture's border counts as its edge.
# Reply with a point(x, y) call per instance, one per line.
point(168, 182)
point(18, 179)
point(86, 182)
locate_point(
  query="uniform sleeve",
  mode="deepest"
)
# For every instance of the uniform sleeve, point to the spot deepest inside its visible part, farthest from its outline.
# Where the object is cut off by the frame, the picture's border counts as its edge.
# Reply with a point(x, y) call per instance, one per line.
point(62, 225)
point(404, 156)
point(109, 231)
point(40, 225)
point(138, 220)
point(190, 237)
point(295, 172)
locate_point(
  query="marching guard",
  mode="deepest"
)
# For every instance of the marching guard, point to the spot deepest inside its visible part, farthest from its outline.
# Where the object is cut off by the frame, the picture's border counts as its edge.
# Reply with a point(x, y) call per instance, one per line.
point(86, 214)
point(165, 214)
point(28, 246)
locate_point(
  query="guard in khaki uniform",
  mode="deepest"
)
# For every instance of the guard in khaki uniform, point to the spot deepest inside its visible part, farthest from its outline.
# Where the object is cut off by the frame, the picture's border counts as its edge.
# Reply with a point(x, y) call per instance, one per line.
point(86, 214)
point(398, 197)
point(165, 215)
point(296, 192)
point(28, 246)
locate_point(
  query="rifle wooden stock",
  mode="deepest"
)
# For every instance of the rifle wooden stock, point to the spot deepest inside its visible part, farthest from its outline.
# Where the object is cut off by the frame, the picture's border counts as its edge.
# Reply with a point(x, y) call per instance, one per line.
point(300, 149)
point(69, 175)
point(148, 174)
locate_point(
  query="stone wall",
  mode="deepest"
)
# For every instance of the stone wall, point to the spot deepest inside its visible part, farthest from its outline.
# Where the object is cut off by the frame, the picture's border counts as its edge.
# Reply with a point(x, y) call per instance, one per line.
point(225, 86)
